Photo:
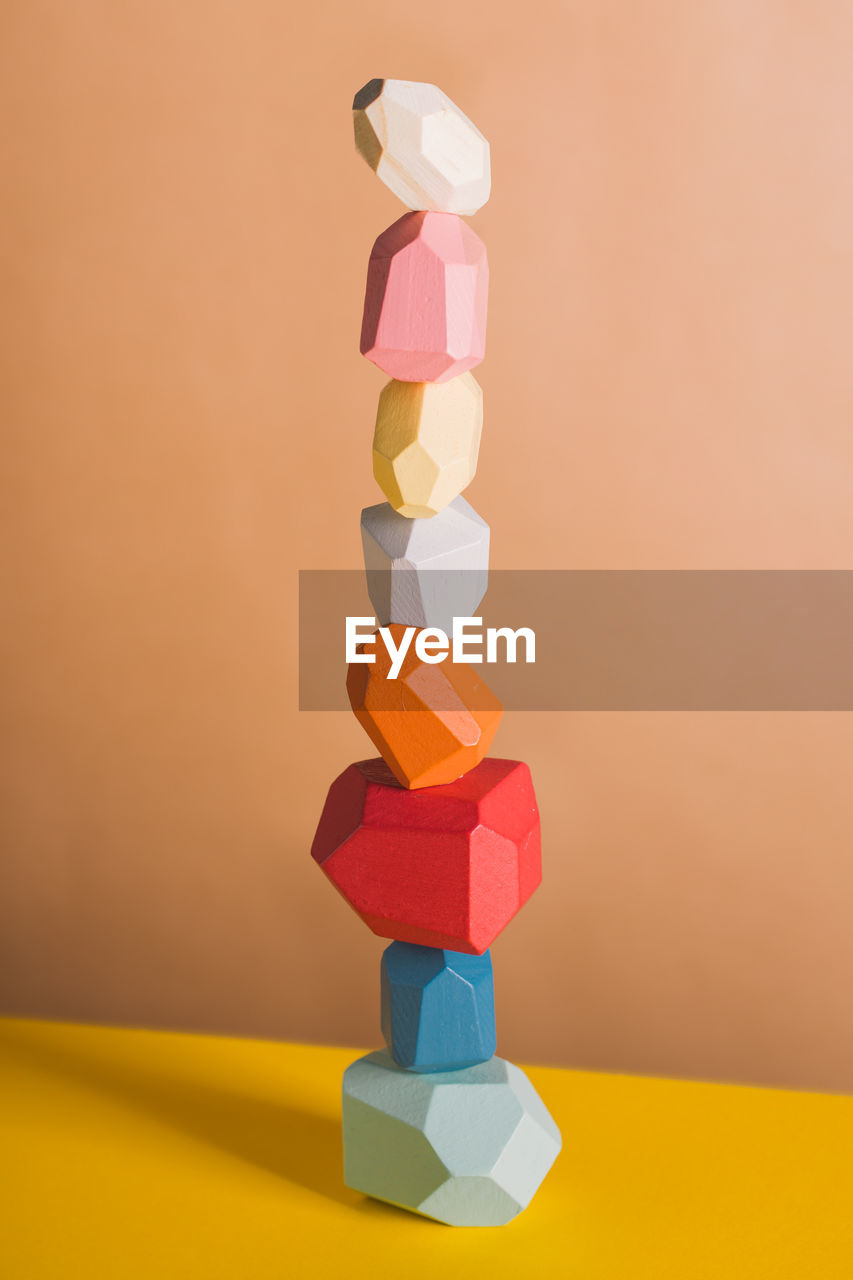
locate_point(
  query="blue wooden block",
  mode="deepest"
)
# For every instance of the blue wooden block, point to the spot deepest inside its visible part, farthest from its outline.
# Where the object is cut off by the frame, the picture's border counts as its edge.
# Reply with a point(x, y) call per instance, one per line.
point(438, 1007)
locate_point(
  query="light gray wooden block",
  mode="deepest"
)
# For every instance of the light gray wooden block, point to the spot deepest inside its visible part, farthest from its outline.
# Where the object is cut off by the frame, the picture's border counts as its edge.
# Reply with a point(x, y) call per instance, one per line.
point(469, 1147)
point(425, 572)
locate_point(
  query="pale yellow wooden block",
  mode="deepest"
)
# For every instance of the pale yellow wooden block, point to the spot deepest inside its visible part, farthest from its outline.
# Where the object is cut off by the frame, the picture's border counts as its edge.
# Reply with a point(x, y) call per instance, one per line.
point(426, 442)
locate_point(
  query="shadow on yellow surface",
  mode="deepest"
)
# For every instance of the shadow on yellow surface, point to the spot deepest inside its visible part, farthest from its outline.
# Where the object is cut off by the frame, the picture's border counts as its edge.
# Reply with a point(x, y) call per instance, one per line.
point(132, 1154)
point(301, 1146)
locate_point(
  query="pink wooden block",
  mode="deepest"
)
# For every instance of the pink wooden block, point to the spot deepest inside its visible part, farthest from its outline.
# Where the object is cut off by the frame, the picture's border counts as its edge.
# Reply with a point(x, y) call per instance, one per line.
point(426, 297)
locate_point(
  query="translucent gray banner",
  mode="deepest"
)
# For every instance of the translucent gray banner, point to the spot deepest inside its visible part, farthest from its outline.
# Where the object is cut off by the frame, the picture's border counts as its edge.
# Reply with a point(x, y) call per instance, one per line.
point(613, 640)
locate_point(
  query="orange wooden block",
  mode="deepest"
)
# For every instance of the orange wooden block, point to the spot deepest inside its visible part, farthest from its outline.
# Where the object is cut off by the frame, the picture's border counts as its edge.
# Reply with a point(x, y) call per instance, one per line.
point(432, 723)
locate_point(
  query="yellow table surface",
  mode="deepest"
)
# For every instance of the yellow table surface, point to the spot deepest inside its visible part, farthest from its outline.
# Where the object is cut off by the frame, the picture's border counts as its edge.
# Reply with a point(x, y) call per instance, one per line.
point(139, 1153)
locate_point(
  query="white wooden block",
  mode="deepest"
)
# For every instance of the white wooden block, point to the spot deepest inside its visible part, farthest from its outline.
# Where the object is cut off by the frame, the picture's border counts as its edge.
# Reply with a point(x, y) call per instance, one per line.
point(422, 146)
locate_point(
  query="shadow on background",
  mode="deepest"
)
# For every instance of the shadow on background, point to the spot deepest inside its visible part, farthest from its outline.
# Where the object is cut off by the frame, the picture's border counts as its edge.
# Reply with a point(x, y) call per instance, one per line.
point(300, 1146)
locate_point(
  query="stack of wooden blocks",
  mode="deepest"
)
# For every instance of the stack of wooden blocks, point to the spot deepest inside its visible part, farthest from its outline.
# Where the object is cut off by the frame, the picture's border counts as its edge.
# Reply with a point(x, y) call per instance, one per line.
point(435, 845)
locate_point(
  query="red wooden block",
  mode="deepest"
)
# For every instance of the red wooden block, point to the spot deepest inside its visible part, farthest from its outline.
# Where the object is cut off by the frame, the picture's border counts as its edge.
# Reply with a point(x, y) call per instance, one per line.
point(444, 866)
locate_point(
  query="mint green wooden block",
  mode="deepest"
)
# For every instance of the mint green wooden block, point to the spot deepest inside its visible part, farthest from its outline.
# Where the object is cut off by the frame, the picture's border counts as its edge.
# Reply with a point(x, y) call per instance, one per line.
point(468, 1147)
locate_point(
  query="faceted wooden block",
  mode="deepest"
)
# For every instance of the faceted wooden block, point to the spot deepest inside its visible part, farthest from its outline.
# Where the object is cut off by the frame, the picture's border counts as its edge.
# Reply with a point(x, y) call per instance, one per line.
point(438, 1007)
point(426, 442)
point(432, 722)
point(425, 572)
point(422, 146)
point(447, 866)
point(425, 302)
point(469, 1148)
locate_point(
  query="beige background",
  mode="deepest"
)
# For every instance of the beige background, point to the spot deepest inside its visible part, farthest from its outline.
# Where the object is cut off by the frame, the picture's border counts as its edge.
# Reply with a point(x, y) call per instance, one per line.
point(186, 421)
